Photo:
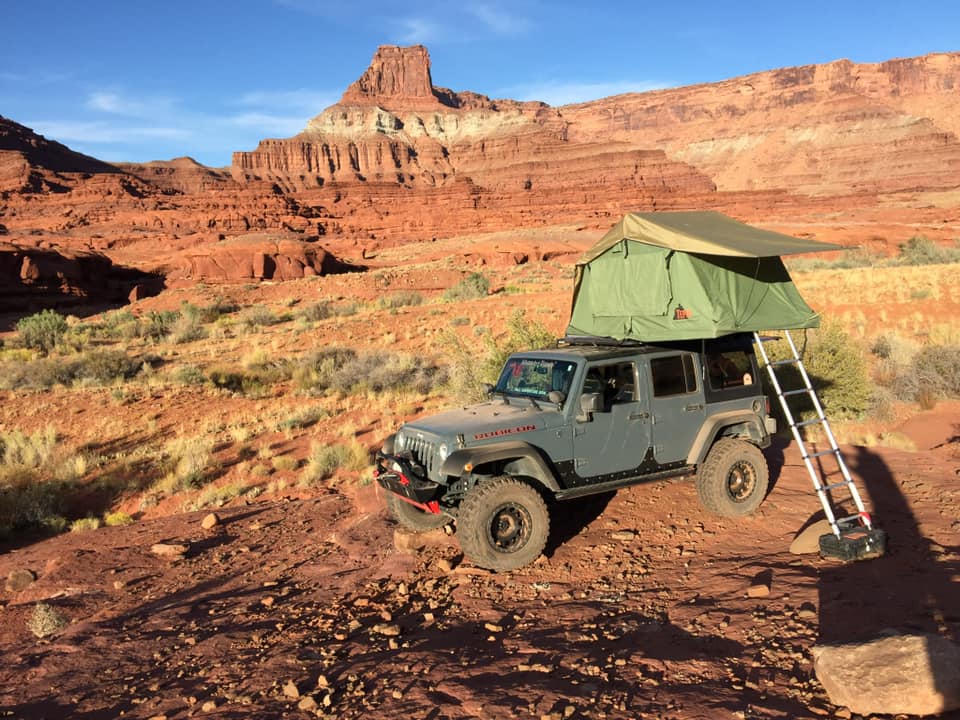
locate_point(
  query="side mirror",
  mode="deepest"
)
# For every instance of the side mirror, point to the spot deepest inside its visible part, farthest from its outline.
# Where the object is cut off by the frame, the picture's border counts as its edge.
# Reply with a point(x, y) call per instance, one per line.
point(556, 397)
point(589, 404)
point(488, 388)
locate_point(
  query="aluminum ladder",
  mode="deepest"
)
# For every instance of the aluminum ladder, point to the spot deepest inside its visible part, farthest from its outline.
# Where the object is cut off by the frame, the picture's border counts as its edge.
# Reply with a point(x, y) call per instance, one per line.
point(854, 536)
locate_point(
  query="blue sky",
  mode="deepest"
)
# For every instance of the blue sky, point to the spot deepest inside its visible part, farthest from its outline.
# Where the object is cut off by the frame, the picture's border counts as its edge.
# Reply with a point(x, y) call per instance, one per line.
point(144, 80)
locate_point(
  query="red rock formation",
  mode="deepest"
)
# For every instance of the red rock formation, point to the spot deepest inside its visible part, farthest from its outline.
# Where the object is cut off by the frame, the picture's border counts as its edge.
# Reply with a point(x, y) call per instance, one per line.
point(255, 257)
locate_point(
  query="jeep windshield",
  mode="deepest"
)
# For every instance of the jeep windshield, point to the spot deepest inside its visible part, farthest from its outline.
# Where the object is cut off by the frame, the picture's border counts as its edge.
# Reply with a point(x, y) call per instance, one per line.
point(535, 377)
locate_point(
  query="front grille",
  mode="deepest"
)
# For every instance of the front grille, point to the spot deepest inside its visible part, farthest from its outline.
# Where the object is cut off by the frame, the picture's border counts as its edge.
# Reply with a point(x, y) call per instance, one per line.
point(424, 452)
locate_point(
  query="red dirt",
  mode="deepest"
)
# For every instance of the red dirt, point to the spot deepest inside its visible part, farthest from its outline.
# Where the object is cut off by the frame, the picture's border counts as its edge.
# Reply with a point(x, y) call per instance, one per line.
point(658, 623)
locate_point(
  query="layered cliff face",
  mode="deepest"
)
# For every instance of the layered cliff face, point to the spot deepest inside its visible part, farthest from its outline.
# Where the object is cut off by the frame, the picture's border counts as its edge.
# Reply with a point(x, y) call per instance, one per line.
point(820, 129)
point(785, 139)
point(395, 143)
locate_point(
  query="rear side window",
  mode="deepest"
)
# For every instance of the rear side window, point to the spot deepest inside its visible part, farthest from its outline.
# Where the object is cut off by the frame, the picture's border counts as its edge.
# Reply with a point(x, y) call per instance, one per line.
point(728, 369)
point(673, 375)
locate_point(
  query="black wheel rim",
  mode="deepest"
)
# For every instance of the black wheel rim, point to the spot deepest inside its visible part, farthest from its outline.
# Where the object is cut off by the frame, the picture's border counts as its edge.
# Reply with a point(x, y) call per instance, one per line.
point(509, 528)
point(741, 480)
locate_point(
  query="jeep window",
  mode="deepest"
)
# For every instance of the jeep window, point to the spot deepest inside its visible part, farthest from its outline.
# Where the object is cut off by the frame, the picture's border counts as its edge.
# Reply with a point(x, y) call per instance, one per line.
point(533, 377)
point(673, 375)
point(617, 383)
point(728, 369)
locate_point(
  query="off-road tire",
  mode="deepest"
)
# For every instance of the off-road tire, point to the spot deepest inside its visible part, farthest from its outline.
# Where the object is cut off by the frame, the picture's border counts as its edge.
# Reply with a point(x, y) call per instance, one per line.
point(733, 479)
point(413, 518)
point(503, 524)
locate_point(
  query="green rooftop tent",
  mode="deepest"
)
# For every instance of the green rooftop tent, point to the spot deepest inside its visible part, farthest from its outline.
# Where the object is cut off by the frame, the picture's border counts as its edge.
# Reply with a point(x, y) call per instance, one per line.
point(687, 275)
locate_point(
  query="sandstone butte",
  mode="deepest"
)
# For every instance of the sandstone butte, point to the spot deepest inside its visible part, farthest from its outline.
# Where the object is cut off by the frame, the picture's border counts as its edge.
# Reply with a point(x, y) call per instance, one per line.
point(854, 153)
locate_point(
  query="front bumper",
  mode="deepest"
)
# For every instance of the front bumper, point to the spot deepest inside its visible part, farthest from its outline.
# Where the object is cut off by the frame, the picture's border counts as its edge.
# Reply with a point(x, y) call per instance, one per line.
point(398, 475)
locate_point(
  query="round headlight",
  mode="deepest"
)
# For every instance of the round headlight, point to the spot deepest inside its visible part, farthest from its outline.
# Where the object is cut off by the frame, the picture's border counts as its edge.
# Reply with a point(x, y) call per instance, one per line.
point(443, 451)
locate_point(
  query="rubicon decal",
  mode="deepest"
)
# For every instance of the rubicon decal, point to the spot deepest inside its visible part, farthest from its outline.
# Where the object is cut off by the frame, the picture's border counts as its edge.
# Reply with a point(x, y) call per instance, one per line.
point(505, 431)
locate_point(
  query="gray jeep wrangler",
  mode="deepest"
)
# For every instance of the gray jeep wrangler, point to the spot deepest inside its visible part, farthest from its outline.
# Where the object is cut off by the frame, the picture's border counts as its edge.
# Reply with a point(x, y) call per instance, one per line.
point(590, 416)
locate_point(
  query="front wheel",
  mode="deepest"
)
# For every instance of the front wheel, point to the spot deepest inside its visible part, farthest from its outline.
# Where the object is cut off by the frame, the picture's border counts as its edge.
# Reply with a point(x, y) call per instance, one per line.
point(413, 518)
point(503, 524)
point(733, 479)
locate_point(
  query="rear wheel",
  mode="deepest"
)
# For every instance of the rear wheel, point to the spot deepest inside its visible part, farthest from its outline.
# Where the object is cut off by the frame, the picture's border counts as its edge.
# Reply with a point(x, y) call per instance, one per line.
point(503, 524)
point(413, 518)
point(733, 479)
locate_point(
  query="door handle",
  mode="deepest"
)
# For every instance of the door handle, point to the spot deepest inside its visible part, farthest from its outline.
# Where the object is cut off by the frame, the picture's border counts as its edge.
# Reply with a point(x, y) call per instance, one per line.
point(694, 407)
point(640, 416)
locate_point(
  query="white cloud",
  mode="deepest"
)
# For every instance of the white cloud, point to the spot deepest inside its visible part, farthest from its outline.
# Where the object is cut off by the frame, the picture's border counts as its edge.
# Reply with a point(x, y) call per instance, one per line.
point(311, 102)
point(418, 31)
point(103, 132)
point(117, 104)
point(497, 20)
point(566, 93)
point(274, 125)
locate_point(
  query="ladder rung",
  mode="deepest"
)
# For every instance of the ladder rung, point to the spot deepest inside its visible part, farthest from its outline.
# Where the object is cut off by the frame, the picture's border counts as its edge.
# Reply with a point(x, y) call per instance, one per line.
point(835, 485)
point(788, 361)
point(797, 392)
point(804, 423)
point(820, 454)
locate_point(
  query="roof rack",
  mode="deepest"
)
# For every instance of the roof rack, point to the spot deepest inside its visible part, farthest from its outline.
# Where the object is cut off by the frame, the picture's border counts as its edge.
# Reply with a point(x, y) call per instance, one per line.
point(597, 341)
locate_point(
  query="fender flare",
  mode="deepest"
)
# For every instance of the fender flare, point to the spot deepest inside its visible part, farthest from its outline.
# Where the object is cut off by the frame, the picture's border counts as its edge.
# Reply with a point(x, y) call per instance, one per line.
point(713, 424)
point(525, 460)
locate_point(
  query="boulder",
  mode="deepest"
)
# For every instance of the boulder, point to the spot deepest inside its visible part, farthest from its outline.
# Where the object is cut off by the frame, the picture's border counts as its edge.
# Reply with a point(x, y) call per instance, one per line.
point(897, 674)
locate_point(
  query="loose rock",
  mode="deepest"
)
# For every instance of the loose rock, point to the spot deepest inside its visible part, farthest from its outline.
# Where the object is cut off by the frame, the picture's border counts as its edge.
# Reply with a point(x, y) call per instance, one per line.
point(210, 521)
point(173, 551)
point(291, 690)
point(807, 540)
point(901, 674)
point(18, 580)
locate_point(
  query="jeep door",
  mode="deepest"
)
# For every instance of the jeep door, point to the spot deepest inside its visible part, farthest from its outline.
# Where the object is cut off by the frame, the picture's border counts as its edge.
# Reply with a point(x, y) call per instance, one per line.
point(677, 405)
point(614, 439)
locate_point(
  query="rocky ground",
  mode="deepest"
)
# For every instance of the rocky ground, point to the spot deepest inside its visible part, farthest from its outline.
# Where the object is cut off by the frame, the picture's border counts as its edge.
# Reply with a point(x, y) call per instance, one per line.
point(643, 606)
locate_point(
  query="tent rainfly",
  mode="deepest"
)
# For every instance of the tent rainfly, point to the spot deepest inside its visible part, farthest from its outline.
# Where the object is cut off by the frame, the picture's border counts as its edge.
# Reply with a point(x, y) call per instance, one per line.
point(688, 275)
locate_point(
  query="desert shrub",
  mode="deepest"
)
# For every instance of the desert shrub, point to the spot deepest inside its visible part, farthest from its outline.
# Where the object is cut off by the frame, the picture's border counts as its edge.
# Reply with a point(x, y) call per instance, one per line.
point(347, 371)
point(316, 311)
point(46, 620)
point(20, 450)
point(920, 250)
point(837, 370)
point(42, 331)
point(187, 328)
point(937, 369)
point(302, 419)
point(325, 460)
point(475, 285)
point(472, 365)
point(189, 375)
point(158, 325)
point(189, 461)
point(401, 298)
point(284, 463)
point(84, 524)
point(257, 316)
point(114, 519)
point(28, 501)
point(252, 383)
point(105, 366)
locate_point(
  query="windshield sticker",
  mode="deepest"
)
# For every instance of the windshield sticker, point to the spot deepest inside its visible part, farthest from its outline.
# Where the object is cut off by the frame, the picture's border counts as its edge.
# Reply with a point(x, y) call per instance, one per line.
point(505, 431)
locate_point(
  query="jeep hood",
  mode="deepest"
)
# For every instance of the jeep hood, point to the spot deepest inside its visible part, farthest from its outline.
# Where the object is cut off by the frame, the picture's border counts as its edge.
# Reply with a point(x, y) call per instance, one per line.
point(490, 420)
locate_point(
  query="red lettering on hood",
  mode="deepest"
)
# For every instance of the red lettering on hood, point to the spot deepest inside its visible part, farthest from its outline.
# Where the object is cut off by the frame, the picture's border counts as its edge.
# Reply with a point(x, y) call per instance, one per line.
point(505, 431)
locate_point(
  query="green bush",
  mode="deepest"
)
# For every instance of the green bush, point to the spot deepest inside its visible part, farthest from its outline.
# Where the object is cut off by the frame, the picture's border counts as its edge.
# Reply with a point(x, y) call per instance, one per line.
point(474, 364)
point(475, 285)
point(837, 370)
point(42, 331)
